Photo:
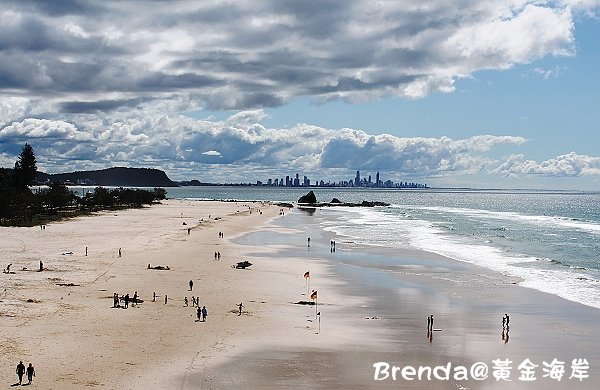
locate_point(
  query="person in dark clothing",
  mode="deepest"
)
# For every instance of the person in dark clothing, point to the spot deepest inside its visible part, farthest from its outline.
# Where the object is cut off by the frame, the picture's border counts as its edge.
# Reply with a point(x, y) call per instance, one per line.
point(204, 313)
point(126, 301)
point(20, 371)
point(30, 373)
point(191, 284)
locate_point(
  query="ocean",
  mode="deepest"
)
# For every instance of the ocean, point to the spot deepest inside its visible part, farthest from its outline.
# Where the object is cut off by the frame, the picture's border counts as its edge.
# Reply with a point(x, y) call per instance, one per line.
point(549, 240)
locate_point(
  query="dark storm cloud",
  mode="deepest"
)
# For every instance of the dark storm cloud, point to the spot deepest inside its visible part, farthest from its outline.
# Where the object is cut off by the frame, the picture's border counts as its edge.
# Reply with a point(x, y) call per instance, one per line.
point(79, 107)
point(264, 53)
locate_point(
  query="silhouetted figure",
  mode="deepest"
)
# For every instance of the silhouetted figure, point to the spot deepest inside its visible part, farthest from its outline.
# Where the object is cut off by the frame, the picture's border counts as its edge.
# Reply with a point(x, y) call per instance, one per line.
point(154, 296)
point(431, 324)
point(191, 285)
point(126, 301)
point(134, 302)
point(215, 255)
point(218, 255)
point(309, 242)
point(503, 323)
point(41, 266)
point(428, 325)
point(165, 299)
point(86, 250)
point(185, 301)
point(116, 300)
point(240, 307)
point(30, 373)
point(119, 252)
point(8, 268)
point(507, 320)
point(20, 371)
point(204, 313)
point(188, 231)
point(199, 313)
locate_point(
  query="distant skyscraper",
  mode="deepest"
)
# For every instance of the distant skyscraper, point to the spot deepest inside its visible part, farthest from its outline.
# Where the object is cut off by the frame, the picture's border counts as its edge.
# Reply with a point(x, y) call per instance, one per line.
point(377, 180)
point(357, 179)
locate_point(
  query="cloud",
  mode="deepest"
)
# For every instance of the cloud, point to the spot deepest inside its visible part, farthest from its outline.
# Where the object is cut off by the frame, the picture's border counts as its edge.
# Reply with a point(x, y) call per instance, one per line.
point(415, 156)
point(566, 165)
point(43, 128)
point(149, 136)
point(210, 153)
point(87, 56)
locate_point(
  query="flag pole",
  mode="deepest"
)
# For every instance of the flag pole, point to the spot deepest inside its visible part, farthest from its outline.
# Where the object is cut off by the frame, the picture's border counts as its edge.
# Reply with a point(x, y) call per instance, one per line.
point(319, 315)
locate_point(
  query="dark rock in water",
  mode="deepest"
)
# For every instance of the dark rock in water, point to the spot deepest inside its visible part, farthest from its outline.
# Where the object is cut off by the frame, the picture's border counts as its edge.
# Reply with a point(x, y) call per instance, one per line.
point(366, 203)
point(335, 200)
point(309, 198)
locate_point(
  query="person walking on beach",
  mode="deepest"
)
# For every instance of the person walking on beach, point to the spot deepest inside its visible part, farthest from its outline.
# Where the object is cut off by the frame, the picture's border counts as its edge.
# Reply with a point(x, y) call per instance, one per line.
point(431, 324)
point(309, 242)
point(428, 324)
point(218, 255)
point(119, 252)
point(191, 285)
point(126, 301)
point(507, 320)
point(154, 296)
point(198, 313)
point(185, 301)
point(20, 371)
point(204, 313)
point(240, 307)
point(115, 300)
point(134, 302)
point(30, 373)
point(165, 299)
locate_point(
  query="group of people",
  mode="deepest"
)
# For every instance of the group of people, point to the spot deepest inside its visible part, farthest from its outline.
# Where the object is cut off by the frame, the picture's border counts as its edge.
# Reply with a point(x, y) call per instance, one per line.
point(201, 312)
point(217, 255)
point(21, 370)
point(126, 300)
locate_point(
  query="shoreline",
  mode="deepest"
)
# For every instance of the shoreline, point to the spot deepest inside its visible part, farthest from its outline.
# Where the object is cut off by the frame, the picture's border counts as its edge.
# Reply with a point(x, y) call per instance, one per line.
point(370, 311)
point(468, 302)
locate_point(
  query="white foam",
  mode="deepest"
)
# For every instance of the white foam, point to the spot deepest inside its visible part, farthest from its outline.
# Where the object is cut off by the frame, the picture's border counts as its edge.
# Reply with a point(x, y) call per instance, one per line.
point(381, 228)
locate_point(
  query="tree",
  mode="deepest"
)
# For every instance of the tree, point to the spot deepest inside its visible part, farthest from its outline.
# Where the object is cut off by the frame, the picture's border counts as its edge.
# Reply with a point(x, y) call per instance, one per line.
point(26, 167)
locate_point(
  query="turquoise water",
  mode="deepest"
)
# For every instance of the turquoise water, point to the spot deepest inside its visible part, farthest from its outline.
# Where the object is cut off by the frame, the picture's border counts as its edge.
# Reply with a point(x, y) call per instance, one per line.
point(551, 240)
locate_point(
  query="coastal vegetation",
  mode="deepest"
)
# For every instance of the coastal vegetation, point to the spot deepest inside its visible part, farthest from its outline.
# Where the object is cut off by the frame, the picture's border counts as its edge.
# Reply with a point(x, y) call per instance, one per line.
point(20, 206)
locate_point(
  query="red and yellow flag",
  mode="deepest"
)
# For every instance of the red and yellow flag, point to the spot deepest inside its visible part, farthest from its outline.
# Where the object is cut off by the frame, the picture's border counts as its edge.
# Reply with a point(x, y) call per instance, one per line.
point(307, 274)
point(313, 295)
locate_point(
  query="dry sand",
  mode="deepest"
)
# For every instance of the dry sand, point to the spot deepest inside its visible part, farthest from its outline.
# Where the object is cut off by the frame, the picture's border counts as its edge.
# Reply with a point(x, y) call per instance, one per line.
point(62, 319)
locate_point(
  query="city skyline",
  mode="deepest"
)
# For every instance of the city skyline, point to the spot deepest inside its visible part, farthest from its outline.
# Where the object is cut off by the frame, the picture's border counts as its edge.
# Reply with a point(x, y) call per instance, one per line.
point(356, 182)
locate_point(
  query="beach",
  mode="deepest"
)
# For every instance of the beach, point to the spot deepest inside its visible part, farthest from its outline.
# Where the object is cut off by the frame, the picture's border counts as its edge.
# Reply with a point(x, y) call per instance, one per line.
point(62, 319)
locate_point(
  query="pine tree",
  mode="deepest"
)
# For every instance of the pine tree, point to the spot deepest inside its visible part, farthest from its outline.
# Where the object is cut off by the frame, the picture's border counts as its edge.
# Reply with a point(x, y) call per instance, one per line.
point(25, 172)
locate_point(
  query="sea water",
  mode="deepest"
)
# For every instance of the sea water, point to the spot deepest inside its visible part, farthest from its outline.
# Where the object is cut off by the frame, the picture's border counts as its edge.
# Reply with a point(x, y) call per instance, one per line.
point(550, 240)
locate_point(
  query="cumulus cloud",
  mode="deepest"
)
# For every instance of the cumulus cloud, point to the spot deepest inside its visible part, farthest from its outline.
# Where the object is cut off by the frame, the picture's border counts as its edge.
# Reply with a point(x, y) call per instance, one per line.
point(566, 165)
point(150, 137)
point(89, 56)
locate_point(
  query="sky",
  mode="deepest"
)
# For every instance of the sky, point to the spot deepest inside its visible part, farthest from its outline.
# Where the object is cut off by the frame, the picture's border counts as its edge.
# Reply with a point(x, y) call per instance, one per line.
point(464, 93)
